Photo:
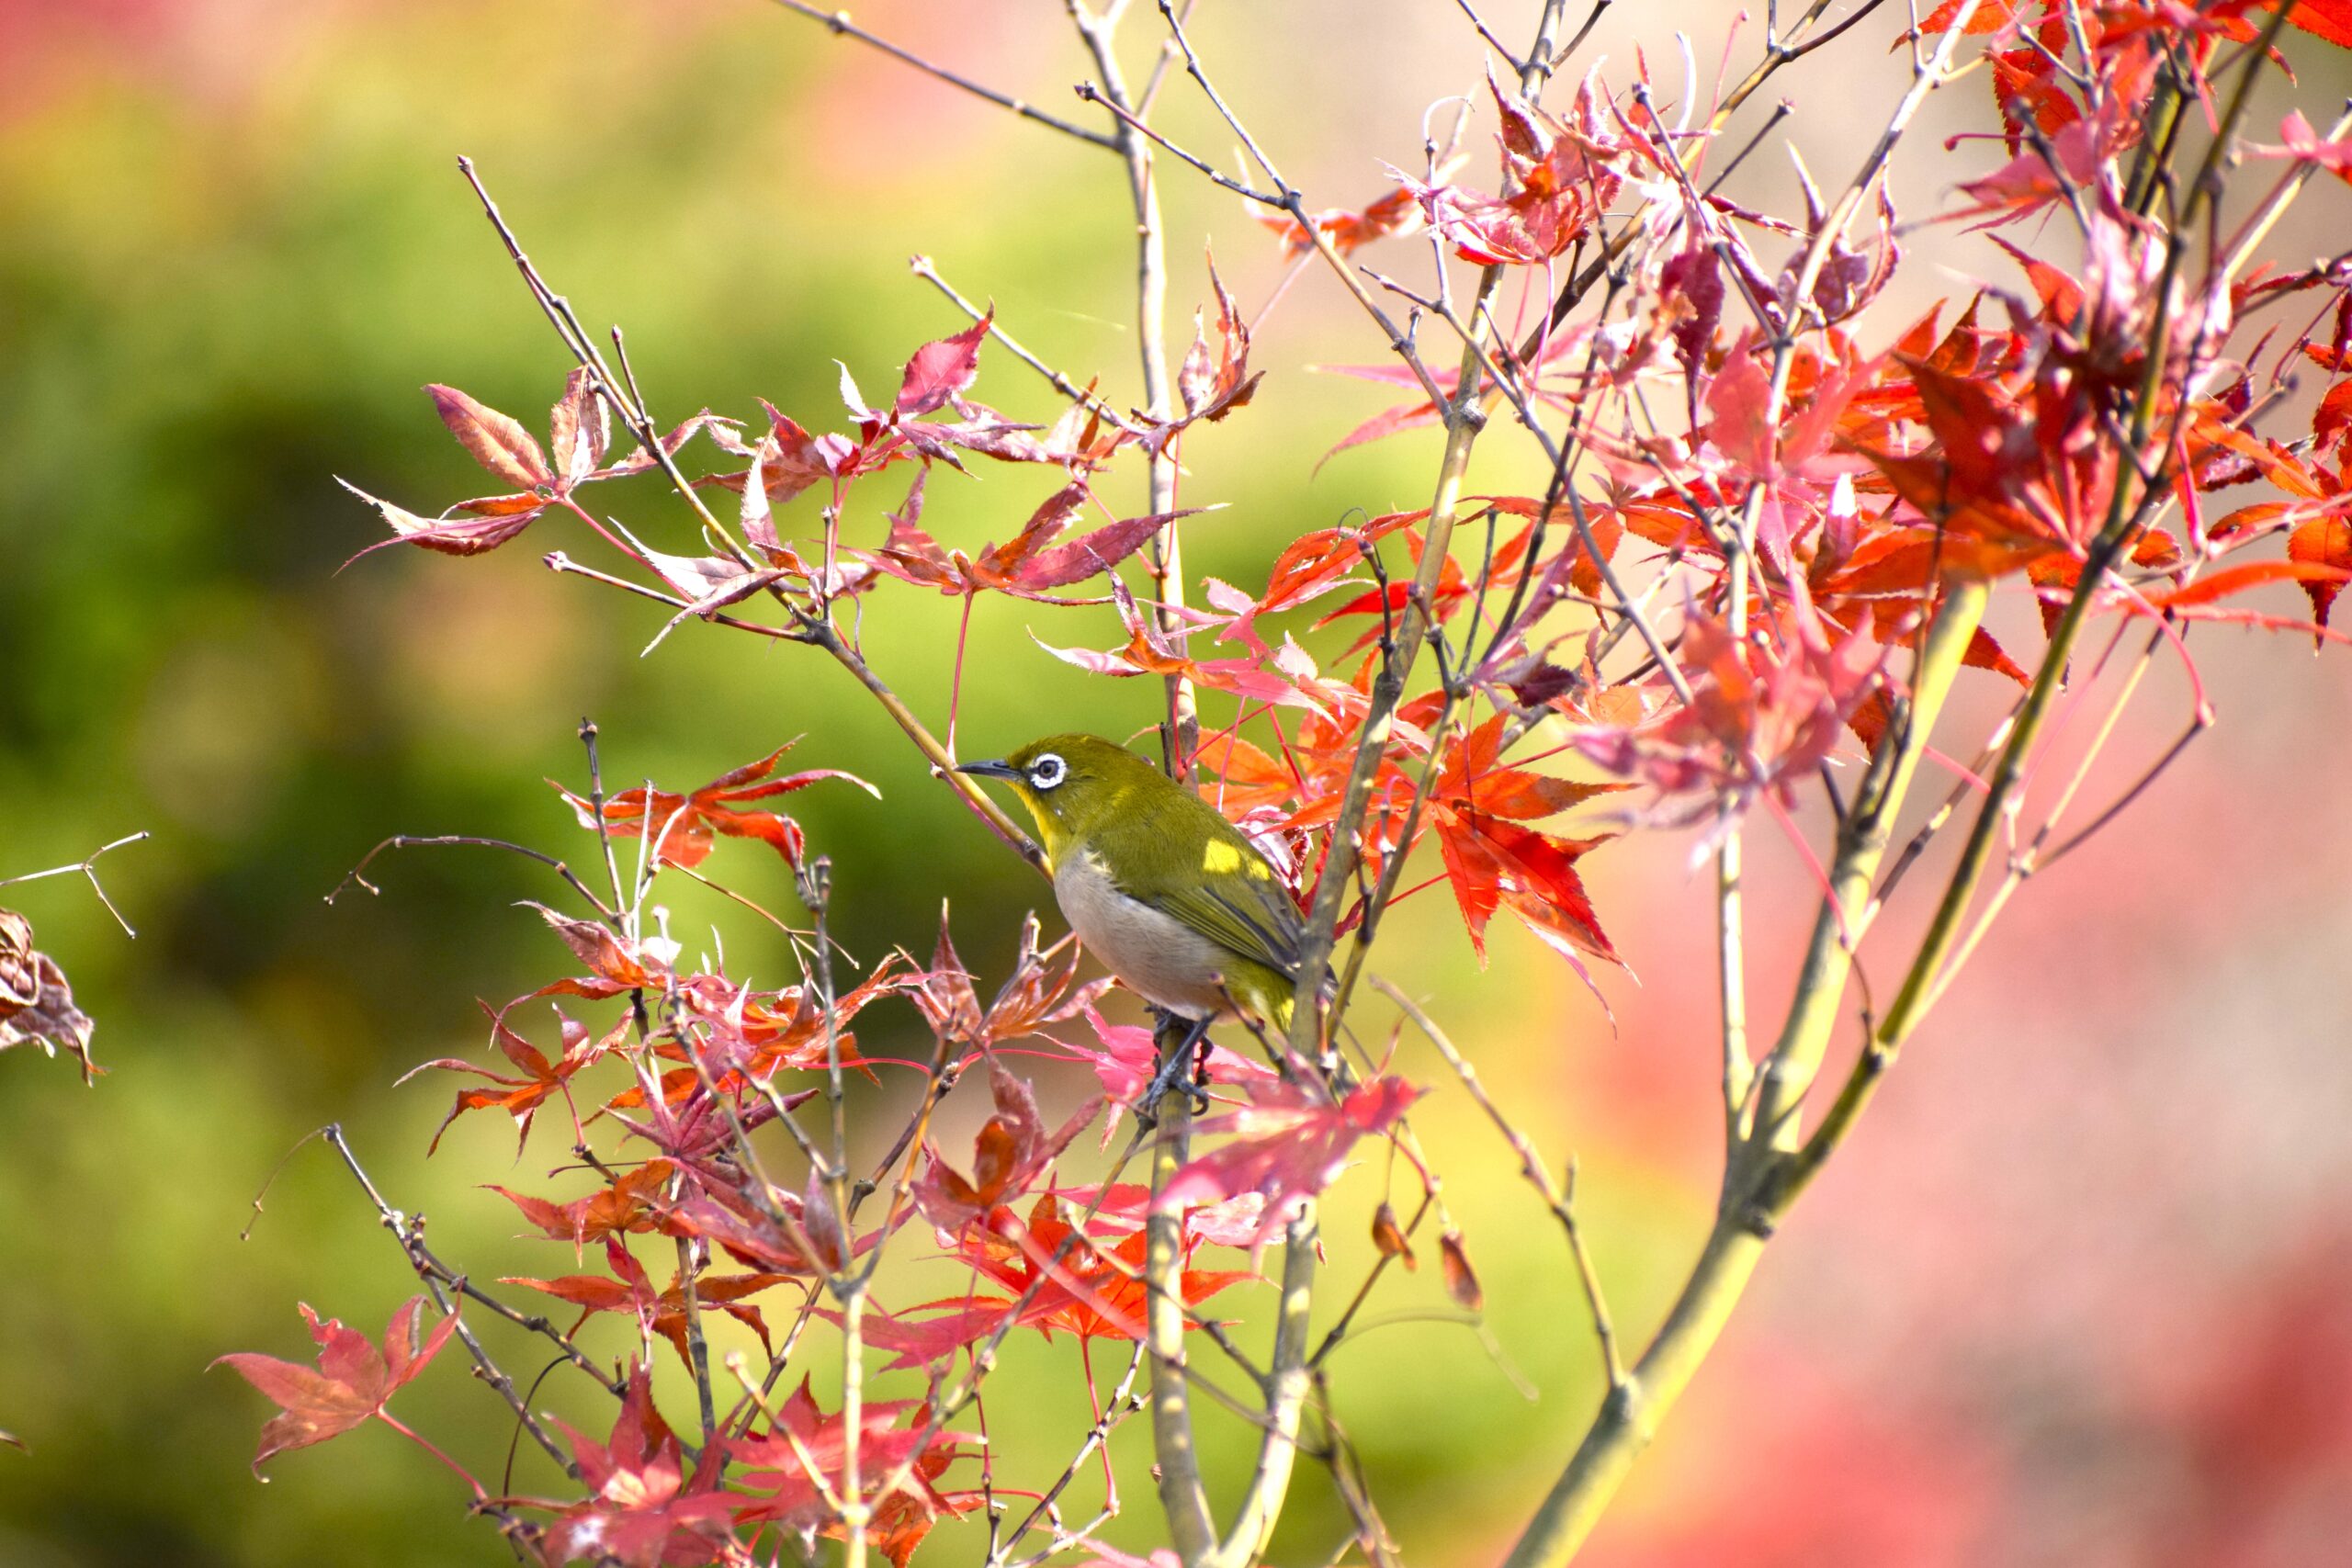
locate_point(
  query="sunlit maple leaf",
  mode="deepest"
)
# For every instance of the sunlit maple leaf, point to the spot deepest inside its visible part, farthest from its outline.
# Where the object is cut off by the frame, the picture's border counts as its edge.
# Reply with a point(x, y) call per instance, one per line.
point(1041, 990)
point(2325, 542)
point(688, 825)
point(2329, 19)
point(1396, 213)
point(1291, 682)
point(2081, 156)
point(1125, 1056)
point(1475, 778)
point(771, 1238)
point(615, 963)
point(695, 1127)
point(938, 371)
point(1213, 387)
point(742, 1034)
point(2014, 478)
point(640, 1512)
point(351, 1384)
point(1288, 1142)
point(625, 1204)
point(1493, 862)
point(579, 429)
point(2305, 145)
point(2201, 600)
point(540, 1079)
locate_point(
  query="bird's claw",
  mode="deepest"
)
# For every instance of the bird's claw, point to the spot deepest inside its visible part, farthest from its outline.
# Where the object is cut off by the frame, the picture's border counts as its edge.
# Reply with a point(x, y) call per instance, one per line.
point(1178, 1069)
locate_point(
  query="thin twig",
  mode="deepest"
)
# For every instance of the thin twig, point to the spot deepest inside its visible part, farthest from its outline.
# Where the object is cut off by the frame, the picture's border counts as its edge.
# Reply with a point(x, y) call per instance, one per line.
point(405, 1229)
point(89, 866)
point(839, 22)
point(356, 877)
point(1560, 1200)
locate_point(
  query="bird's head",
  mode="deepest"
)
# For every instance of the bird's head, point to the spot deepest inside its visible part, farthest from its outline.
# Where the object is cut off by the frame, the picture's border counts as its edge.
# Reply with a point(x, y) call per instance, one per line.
point(1072, 784)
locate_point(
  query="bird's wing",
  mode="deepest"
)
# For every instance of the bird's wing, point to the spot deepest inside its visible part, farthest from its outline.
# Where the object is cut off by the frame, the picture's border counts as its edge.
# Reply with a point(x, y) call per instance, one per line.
point(1255, 919)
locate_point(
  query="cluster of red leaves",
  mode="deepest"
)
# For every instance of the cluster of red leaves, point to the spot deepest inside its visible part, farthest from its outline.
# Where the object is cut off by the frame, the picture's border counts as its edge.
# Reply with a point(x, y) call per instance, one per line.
point(643, 1511)
point(640, 1511)
point(1057, 1276)
point(704, 1059)
point(1560, 174)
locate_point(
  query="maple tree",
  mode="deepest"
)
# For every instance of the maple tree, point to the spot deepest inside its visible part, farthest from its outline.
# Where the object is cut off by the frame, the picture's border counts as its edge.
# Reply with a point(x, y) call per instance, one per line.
point(1757, 569)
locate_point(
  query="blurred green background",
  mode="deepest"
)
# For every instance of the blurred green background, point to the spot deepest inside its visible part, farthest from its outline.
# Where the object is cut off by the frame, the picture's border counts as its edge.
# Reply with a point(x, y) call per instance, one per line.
point(2078, 1294)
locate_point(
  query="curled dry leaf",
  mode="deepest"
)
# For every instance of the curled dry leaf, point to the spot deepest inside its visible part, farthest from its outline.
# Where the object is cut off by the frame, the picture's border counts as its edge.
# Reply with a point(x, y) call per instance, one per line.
point(1460, 1279)
point(1389, 1236)
point(35, 1002)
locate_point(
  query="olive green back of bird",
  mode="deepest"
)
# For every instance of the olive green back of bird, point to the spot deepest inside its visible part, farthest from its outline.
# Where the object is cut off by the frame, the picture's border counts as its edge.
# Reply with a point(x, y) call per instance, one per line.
point(1174, 898)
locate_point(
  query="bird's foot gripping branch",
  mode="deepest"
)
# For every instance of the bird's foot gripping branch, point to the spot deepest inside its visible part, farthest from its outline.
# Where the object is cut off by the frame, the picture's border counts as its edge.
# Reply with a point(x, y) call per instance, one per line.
point(1755, 582)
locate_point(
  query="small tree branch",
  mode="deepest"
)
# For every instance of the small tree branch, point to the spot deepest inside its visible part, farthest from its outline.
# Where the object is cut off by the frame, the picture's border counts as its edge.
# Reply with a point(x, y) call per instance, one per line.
point(356, 877)
point(1560, 1200)
point(405, 1230)
point(89, 866)
point(842, 26)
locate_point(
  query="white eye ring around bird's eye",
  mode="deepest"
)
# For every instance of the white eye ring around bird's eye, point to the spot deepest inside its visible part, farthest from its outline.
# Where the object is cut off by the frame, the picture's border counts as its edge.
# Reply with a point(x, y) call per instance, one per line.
point(1048, 771)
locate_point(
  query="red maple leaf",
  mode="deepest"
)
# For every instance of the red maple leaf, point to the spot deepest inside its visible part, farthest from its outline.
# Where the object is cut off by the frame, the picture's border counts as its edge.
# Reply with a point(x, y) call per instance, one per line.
point(1024, 566)
point(350, 1384)
point(1289, 1141)
point(631, 1290)
point(1013, 1149)
point(624, 1205)
point(1494, 862)
point(1059, 1282)
point(688, 825)
point(579, 429)
point(521, 1097)
point(2325, 543)
point(2329, 19)
point(1291, 682)
point(1211, 389)
point(639, 1512)
point(1039, 991)
point(1127, 1055)
point(1396, 213)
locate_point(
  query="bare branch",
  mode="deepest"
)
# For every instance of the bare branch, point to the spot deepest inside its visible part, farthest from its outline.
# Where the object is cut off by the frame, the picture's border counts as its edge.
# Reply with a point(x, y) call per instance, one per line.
point(839, 22)
point(89, 866)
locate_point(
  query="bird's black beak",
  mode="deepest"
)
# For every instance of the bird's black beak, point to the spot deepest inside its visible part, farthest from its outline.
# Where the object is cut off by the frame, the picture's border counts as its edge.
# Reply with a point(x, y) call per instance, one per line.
point(997, 769)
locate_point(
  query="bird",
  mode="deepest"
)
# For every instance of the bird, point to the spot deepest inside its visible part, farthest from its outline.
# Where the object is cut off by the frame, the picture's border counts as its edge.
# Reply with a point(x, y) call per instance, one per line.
point(1174, 900)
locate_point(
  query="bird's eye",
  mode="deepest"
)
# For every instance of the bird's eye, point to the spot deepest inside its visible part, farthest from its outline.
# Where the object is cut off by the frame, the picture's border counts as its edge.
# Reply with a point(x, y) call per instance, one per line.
point(1048, 771)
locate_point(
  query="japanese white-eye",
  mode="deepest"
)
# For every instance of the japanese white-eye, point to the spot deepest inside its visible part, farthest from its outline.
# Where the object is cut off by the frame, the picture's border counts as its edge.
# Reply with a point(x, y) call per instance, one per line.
point(1174, 899)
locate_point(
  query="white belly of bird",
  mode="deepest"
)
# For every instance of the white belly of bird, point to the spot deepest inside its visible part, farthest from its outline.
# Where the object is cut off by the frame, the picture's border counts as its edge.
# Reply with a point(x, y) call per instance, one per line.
point(1160, 956)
